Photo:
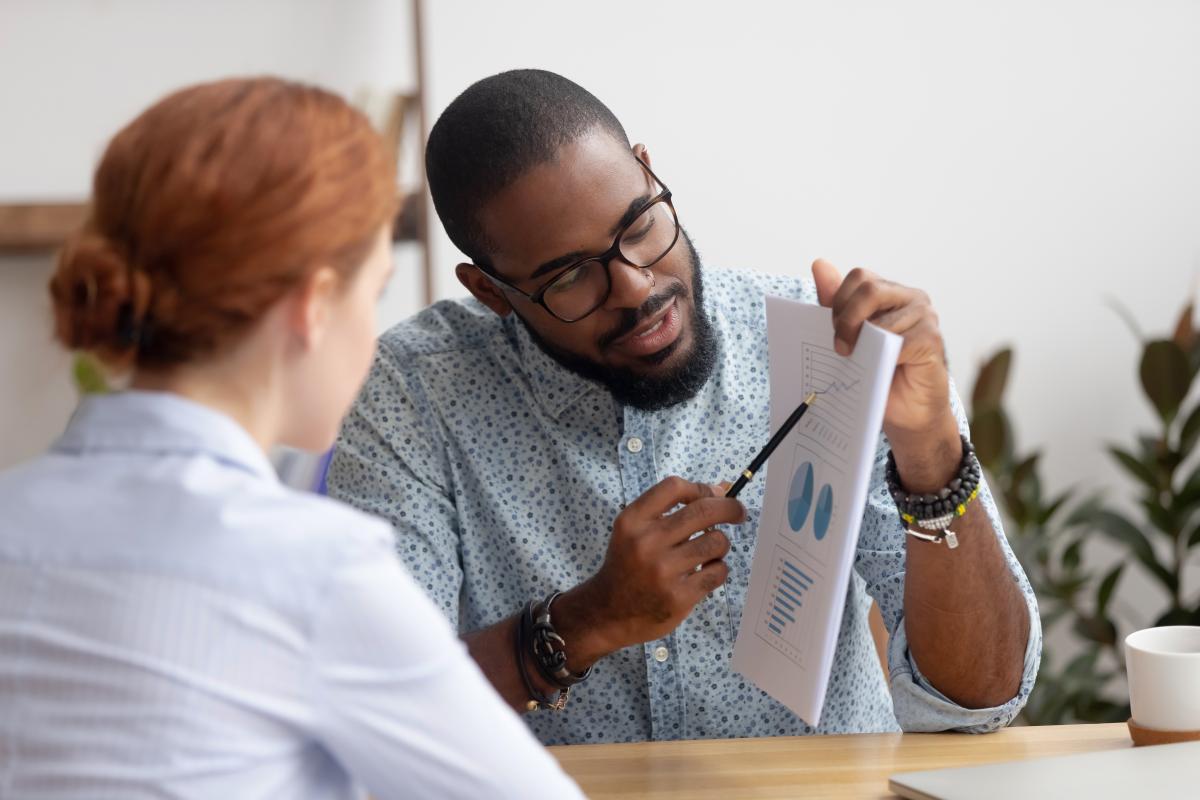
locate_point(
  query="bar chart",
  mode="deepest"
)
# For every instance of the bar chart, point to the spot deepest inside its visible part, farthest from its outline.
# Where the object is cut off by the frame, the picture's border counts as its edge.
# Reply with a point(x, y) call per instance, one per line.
point(787, 607)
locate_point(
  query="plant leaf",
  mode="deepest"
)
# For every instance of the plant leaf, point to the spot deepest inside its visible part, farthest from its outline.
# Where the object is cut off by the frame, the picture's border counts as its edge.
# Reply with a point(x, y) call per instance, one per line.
point(1175, 616)
point(1104, 593)
point(1137, 468)
point(1052, 507)
point(1190, 432)
point(1185, 328)
point(989, 432)
point(1083, 513)
point(1126, 317)
point(1166, 376)
point(1071, 555)
point(1096, 629)
point(1124, 531)
point(989, 385)
point(1194, 539)
point(1024, 470)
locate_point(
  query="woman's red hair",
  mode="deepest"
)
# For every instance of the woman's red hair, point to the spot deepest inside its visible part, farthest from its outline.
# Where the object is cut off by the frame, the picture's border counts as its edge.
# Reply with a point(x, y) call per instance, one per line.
point(208, 208)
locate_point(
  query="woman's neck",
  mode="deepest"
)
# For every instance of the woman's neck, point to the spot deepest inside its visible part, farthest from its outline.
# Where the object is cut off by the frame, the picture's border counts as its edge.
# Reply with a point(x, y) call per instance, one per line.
point(242, 393)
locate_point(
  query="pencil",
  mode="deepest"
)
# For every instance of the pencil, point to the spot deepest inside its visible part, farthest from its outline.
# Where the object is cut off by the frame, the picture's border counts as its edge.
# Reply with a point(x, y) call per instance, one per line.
point(765, 453)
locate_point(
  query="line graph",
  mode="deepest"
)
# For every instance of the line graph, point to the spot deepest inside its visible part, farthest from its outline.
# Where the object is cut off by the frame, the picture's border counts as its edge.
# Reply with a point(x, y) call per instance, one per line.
point(829, 426)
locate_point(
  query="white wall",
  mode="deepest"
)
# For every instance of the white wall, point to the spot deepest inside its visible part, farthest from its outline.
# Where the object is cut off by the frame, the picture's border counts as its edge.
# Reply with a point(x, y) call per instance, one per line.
point(1021, 161)
point(72, 72)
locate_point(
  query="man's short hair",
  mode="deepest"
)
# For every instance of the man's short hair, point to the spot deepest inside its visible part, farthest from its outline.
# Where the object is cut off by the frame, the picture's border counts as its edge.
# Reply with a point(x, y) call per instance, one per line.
point(493, 133)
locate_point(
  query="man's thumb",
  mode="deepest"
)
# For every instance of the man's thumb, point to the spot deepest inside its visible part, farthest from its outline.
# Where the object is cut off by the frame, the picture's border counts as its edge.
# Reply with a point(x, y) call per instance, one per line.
point(828, 279)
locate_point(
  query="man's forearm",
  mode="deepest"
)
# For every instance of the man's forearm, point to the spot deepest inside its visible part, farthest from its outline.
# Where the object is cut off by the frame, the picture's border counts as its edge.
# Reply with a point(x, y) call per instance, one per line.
point(965, 617)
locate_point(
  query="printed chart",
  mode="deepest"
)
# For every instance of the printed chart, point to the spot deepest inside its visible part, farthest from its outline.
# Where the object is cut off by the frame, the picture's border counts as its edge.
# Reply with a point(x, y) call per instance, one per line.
point(786, 615)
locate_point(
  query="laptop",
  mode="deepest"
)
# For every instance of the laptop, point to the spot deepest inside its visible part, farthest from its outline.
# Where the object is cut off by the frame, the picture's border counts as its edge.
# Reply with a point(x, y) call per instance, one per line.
point(1162, 772)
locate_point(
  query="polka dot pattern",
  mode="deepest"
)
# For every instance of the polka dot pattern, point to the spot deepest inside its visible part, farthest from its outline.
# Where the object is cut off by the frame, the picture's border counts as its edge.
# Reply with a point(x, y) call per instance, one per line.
point(501, 473)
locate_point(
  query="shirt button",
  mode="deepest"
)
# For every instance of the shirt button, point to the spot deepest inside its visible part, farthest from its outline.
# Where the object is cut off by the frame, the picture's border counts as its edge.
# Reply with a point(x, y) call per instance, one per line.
point(634, 444)
point(661, 654)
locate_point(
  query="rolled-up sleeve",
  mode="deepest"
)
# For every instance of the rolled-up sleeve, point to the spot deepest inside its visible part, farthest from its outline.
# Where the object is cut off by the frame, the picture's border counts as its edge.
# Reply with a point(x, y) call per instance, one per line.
point(880, 560)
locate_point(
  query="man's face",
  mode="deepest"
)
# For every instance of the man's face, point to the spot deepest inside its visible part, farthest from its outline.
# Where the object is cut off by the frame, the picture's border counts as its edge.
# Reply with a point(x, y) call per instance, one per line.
point(649, 342)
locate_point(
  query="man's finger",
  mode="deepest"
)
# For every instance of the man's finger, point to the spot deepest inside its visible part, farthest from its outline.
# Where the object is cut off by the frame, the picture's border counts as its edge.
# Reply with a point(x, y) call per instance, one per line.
point(707, 579)
point(869, 299)
point(702, 514)
point(708, 546)
point(668, 493)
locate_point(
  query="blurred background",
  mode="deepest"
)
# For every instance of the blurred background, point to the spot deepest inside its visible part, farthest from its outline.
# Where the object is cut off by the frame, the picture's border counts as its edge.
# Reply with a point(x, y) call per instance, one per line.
point(1032, 165)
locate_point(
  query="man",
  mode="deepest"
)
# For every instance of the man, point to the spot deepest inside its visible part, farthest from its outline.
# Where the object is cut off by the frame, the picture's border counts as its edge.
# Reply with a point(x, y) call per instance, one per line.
point(521, 443)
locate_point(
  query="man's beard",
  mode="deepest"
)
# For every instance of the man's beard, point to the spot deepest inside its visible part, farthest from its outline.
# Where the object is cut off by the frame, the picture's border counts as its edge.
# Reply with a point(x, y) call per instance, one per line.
point(651, 392)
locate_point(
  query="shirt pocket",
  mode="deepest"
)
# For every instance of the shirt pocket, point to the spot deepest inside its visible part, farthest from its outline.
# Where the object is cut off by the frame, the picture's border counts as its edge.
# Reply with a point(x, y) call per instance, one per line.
point(742, 539)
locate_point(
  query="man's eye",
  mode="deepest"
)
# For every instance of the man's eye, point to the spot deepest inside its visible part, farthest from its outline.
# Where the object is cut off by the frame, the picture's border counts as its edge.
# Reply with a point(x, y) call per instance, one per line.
point(644, 227)
point(567, 281)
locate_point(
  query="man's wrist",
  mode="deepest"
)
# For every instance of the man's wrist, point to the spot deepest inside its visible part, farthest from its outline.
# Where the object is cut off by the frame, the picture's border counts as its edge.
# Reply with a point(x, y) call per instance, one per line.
point(928, 460)
point(580, 623)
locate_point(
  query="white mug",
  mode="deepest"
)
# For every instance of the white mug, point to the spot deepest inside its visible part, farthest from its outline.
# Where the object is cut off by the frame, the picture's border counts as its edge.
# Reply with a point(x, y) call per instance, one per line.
point(1164, 677)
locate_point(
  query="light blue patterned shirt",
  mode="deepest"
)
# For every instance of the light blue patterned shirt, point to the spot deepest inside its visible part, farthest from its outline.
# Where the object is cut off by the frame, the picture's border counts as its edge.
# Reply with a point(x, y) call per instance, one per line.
point(502, 472)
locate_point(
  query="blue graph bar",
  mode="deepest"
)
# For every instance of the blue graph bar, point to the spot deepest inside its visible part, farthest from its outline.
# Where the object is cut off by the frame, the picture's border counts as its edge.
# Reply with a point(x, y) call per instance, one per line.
point(791, 584)
point(799, 572)
point(784, 593)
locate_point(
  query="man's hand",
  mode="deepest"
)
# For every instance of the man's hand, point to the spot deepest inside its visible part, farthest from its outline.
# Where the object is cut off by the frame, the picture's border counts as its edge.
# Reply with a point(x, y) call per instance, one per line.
point(918, 420)
point(649, 581)
point(966, 620)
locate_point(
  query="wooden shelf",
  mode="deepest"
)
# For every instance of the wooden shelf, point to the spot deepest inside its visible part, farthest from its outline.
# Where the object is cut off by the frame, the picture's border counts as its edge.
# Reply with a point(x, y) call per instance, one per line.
point(39, 227)
point(33, 227)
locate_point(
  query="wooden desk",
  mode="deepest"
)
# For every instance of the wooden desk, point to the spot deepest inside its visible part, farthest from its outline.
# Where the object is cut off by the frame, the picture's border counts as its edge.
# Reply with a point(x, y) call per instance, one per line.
point(816, 766)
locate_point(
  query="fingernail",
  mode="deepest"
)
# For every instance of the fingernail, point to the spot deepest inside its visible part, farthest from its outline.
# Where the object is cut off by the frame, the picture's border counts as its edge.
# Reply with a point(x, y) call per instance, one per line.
point(841, 347)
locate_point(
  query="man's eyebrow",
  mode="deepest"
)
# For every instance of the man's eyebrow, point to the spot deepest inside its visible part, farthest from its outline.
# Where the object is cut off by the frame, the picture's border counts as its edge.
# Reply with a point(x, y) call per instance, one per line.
point(635, 207)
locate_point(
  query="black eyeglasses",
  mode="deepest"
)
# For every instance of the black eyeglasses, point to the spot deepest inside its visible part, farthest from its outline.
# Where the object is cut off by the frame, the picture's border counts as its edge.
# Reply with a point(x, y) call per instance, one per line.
point(582, 286)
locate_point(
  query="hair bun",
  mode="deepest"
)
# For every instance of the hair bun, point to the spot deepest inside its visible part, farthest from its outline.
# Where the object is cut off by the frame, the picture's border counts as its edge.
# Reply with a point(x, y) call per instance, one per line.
point(98, 299)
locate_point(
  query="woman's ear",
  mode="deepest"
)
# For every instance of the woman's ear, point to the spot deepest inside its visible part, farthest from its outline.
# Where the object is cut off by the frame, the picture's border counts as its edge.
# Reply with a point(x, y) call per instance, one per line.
point(483, 289)
point(311, 306)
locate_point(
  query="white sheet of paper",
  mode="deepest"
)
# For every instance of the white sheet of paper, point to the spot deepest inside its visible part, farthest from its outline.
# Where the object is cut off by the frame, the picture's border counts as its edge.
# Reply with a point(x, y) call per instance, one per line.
point(817, 482)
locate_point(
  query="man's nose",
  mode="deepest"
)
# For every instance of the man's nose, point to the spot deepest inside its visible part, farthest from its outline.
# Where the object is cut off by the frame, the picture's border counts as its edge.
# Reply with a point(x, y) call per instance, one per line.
point(631, 286)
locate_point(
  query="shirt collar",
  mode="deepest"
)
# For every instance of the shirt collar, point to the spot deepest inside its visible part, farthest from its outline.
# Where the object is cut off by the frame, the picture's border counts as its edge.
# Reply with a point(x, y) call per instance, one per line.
point(161, 423)
point(556, 387)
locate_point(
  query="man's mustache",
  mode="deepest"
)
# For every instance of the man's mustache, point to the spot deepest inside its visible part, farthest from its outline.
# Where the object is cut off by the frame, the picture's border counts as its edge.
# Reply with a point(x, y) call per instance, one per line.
point(631, 317)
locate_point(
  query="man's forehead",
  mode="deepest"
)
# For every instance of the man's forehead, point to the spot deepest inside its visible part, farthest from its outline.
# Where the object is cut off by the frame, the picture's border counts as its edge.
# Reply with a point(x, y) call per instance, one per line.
point(562, 206)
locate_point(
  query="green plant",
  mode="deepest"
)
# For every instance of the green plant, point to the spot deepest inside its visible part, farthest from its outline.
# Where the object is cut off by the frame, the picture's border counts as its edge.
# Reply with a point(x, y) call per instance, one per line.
point(1168, 522)
point(88, 375)
point(1049, 532)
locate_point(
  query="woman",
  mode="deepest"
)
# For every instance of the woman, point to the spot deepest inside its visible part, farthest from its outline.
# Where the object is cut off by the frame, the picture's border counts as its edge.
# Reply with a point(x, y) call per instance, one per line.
point(173, 621)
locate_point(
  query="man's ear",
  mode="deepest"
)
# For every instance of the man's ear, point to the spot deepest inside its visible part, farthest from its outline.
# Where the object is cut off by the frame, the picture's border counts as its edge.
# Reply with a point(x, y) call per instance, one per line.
point(483, 289)
point(642, 153)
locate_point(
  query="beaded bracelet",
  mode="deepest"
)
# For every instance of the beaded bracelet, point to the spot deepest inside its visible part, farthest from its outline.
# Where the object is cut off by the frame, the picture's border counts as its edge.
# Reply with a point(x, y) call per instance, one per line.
point(936, 511)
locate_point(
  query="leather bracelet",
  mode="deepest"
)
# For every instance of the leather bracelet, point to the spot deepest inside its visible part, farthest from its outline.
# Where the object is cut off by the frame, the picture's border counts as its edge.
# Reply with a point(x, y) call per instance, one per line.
point(550, 650)
point(521, 637)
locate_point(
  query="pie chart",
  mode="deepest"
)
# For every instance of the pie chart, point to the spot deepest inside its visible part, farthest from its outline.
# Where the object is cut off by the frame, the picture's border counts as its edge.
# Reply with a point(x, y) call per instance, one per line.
point(823, 513)
point(800, 497)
